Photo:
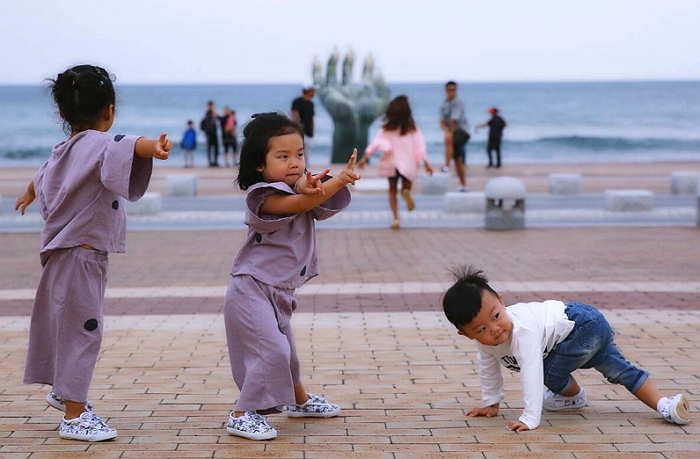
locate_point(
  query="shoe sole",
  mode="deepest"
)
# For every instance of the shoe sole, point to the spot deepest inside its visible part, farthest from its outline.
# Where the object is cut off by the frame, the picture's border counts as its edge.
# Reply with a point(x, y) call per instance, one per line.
point(252, 436)
point(410, 203)
point(103, 437)
point(300, 414)
point(682, 411)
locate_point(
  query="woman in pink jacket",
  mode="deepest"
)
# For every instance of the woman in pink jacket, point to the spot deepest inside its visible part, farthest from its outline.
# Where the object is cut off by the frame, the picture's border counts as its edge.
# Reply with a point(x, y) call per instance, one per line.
point(403, 149)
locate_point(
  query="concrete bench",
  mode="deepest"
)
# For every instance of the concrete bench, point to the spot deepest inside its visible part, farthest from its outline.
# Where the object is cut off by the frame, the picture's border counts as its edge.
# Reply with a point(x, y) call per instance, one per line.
point(181, 185)
point(684, 182)
point(628, 200)
point(505, 204)
point(565, 183)
point(149, 204)
point(468, 203)
point(437, 183)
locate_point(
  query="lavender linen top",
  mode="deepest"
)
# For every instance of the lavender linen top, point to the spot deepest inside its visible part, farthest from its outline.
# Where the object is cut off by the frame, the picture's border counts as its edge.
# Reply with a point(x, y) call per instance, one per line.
point(280, 250)
point(80, 188)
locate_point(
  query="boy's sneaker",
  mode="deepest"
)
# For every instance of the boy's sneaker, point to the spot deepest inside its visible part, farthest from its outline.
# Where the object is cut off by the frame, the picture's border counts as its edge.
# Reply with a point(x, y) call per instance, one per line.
point(251, 425)
point(315, 407)
point(675, 409)
point(410, 203)
point(57, 402)
point(87, 427)
point(556, 402)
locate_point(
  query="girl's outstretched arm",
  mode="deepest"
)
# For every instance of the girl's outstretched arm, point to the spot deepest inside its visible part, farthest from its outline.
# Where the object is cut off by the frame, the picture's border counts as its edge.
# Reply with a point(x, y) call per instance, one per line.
point(286, 204)
point(24, 201)
point(154, 148)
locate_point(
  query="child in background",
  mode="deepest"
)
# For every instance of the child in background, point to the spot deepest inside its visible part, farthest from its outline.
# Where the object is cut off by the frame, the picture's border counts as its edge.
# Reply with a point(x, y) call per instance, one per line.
point(404, 152)
point(279, 255)
point(228, 136)
point(545, 342)
point(189, 143)
point(80, 190)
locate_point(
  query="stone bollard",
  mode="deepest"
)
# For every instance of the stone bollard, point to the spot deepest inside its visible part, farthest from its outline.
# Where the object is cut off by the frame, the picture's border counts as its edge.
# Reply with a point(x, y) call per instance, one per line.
point(181, 185)
point(468, 203)
point(628, 200)
point(505, 204)
point(436, 183)
point(684, 182)
point(149, 204)
point(565, 183)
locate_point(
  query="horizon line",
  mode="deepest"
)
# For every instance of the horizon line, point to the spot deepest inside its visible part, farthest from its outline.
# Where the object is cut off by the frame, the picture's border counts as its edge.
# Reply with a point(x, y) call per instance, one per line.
point(441, 82)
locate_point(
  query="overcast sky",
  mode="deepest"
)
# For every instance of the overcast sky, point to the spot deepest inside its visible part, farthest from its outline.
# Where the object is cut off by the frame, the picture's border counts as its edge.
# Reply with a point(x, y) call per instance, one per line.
point(232, 41)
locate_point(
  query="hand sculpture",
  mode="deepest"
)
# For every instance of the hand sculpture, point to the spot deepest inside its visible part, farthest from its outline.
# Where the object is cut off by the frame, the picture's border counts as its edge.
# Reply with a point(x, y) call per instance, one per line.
point(352, 107)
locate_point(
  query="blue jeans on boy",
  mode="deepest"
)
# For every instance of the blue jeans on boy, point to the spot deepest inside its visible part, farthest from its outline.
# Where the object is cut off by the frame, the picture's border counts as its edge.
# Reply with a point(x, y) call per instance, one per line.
point(590, 344)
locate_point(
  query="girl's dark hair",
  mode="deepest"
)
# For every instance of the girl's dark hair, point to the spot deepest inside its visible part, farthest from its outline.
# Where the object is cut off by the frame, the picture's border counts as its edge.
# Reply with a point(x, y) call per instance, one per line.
point(462, 301)
point(81, 93)
point(398, 116)
point(256, 143)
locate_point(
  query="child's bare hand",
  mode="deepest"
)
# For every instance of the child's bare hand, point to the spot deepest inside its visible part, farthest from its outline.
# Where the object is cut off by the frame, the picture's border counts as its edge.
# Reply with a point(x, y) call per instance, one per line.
point(517, 426)
point(311, 184)
point(348, 175)
point(488, 411)
point(161, 149)
point(24, 201)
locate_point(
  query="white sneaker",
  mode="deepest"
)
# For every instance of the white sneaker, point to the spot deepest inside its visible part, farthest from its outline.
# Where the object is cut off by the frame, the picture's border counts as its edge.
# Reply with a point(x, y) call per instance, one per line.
point(675, 409)
point(87, 427)
point(444, 169)
point(315, 407)
point(556, 402)
point(57, 402)
point(251, 425)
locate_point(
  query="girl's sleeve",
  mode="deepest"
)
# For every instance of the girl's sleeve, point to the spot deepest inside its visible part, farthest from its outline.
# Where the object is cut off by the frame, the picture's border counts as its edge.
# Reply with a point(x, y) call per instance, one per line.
point(333, 205)
point(490, 377)
point(419, 148)
point(260, 222)
point(123, 172)
point(378, 143)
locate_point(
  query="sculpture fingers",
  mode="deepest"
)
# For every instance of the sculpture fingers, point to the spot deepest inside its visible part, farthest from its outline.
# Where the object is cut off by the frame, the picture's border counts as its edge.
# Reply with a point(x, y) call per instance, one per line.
point(368, 70)
point(331, 77)
point(316, 72)
point(348, 63)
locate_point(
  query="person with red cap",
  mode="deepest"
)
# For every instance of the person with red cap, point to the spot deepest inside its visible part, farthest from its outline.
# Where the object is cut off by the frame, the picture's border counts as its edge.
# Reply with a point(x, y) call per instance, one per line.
point(496, 126)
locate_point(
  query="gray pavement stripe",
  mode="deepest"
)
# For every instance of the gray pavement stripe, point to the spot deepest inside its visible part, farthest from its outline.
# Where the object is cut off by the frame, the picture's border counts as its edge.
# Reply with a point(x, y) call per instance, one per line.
point(348, 320)
point(387, 288)
point(535, 215)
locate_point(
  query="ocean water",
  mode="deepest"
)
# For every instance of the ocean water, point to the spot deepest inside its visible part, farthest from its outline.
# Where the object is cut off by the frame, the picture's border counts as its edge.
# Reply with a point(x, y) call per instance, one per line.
point(547, 122)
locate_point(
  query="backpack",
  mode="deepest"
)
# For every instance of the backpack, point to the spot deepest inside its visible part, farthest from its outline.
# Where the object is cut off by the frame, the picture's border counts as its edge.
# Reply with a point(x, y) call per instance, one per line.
point(208, 124)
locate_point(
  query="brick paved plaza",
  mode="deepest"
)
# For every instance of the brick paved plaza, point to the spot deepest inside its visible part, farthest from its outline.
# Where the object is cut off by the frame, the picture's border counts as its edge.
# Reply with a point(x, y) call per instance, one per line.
point(372, 338)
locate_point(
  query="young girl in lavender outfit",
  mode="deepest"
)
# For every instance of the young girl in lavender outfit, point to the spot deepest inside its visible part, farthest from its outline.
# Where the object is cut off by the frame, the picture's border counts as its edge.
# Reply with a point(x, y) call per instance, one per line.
point(279, 255)
point(80, 190)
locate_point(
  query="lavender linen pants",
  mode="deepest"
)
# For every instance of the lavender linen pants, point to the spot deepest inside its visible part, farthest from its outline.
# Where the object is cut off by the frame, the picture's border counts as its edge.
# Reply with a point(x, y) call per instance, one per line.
point(65, 332)
point(261, 345)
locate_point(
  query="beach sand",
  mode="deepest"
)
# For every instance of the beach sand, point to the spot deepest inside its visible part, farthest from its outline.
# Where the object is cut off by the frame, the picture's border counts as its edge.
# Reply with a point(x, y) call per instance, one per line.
point(597, 177)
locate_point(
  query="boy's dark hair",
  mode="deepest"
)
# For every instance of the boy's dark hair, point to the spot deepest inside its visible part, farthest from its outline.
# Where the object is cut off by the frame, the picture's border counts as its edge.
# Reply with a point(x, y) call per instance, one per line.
point(462, 301)
point(451, 83)
point(257, 134)
point(81, 93)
